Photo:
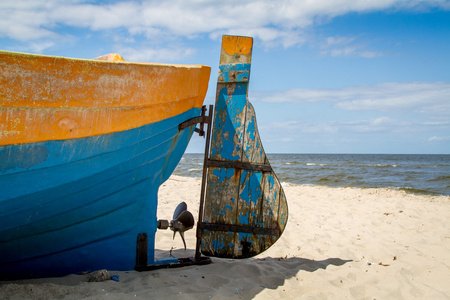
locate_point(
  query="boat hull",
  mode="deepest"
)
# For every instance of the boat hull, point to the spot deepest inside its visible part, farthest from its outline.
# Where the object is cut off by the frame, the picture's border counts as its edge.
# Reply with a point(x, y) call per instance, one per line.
point(72, 206)
point(84, 147)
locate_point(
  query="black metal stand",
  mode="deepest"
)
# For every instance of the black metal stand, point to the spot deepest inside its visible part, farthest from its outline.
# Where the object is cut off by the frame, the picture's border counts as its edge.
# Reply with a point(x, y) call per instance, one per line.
point(142, 243)
point(203, 188)
point(182, 262)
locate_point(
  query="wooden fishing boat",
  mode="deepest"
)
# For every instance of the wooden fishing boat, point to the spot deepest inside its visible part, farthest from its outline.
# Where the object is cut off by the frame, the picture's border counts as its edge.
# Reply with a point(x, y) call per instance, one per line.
point(84, 147)
point(243, 209)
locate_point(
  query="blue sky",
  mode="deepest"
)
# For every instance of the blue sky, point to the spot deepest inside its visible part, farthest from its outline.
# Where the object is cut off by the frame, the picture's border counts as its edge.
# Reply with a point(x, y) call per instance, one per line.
point(344, 76)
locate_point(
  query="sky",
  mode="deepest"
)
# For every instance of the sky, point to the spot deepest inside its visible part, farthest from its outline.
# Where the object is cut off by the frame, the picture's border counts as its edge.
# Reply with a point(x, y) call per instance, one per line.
point(327, 76)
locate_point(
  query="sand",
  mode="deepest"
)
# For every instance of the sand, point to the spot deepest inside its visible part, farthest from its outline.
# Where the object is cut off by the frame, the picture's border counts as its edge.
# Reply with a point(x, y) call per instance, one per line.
point(340, 243)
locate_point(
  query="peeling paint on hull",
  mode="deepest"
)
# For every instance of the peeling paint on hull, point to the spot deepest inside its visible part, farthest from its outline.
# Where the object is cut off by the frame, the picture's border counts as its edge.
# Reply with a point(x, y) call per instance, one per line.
point(83, 207)
point(84, 147)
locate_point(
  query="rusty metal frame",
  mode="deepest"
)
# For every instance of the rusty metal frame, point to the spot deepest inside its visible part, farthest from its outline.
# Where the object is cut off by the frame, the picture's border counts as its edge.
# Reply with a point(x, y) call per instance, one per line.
point(141, 258)
point(239, 228)
point(238, 165)
point(142, 239)
point(203, 119)
point(182, 262)
point(203, 187)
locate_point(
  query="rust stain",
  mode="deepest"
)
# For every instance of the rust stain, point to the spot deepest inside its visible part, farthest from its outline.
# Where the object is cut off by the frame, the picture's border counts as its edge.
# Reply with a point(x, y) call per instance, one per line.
point(237, 174)
point(46, 98)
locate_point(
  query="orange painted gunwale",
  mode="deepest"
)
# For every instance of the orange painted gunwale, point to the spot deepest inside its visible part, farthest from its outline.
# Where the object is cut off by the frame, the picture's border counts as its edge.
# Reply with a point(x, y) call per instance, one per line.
point(51, 98)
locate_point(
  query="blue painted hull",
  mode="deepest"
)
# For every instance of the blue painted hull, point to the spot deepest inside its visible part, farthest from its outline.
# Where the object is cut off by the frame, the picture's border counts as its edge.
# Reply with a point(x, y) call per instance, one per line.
point(78, 205)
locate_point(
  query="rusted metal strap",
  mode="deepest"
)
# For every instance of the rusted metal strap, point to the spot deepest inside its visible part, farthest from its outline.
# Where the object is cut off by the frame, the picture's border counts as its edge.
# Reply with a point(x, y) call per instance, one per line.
point(182, 262)
point(193, 121)
point(238, 165)
point(203, 119)
point(141, 258)
point(239, 228)
point(141, 249)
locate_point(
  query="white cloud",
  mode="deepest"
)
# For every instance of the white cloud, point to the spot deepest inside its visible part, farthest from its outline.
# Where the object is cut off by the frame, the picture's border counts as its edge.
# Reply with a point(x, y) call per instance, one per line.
point(350, 50)
point(326, 126)
point(346, 46)
point(430, 98)
point(380, 124)
point(154, 54)
point(41, 46)
point(319, 127)
point(419, 97)
point(287, 139)
point(271, 21)
point(437, 123)
point(339, 40)
point(282, 126)
point(294, 127)
point(439, 138)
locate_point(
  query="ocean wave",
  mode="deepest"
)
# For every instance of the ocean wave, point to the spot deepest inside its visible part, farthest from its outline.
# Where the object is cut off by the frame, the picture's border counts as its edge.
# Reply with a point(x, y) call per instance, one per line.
point(417, 191)
point(421, 174)
point(443, 178)
point(383, 166)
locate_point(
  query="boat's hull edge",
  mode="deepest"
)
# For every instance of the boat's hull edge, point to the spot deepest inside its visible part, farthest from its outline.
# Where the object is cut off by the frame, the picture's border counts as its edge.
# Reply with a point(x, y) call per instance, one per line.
point(75, 223)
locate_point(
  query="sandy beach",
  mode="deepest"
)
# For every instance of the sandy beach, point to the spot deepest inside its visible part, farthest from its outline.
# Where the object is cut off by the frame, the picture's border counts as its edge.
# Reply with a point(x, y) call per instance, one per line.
point(340, 243)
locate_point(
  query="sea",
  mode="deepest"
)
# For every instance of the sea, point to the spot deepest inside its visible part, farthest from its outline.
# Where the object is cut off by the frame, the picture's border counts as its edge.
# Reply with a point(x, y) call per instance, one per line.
point(414, 173)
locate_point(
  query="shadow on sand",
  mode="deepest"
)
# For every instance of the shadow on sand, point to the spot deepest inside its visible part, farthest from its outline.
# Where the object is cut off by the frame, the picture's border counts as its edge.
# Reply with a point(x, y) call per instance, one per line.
point(225, 278)
point(270, 272)
point(222, 279)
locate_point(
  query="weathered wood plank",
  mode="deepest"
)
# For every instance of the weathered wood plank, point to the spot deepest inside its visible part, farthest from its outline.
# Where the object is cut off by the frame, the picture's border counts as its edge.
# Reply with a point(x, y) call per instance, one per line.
point(229, 116)
point(221, 194)
point(245, 210)
point(252, 146)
